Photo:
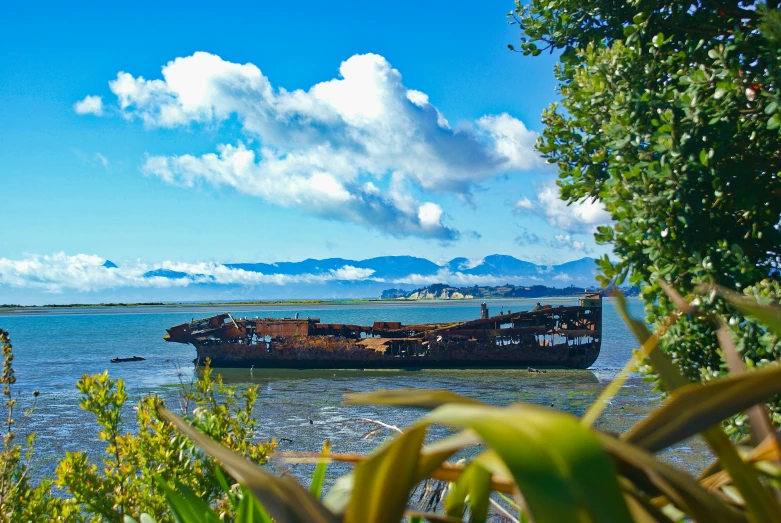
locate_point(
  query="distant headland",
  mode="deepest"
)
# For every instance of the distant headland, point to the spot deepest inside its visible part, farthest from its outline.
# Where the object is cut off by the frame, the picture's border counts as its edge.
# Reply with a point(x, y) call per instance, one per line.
point(442, 291)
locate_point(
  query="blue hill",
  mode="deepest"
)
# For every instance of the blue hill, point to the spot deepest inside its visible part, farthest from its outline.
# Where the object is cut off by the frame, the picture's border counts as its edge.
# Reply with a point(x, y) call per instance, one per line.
point(165, 273)
point(502, 265)
point(387, 269)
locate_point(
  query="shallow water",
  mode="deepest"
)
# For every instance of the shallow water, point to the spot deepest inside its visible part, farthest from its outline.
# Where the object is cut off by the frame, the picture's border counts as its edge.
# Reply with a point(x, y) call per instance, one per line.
point(54, 348)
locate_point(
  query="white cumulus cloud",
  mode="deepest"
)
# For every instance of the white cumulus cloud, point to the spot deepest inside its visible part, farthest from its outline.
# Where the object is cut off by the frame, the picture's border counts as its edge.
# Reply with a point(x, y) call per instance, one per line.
point(512, 141)
point(350, 148)
point(307, 181)
point(583, 216)
point(89, 105)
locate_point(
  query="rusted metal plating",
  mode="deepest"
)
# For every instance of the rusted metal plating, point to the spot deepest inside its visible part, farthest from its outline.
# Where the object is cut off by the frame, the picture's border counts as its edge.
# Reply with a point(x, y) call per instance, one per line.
point(564, 336)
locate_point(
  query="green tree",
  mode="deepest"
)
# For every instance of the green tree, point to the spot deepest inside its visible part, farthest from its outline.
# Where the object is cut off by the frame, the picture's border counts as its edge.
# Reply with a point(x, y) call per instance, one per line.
point(670, 117)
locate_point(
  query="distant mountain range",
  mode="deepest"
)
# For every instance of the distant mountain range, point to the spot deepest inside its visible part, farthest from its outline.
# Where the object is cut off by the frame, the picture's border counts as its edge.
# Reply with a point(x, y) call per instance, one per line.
point(385, 267)
point(390, 268)
point(345, 278)
point(90, 279)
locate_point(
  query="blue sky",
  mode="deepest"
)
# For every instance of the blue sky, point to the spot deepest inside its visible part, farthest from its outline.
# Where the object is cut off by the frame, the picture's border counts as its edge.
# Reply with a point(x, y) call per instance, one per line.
point(363, 166)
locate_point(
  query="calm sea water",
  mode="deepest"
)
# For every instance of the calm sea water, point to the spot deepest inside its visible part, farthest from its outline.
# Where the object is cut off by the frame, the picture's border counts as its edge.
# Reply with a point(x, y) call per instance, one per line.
point(54, 348)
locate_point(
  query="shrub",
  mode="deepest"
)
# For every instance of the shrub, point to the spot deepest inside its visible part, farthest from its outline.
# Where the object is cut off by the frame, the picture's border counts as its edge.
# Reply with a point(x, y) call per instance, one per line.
point(128, 480)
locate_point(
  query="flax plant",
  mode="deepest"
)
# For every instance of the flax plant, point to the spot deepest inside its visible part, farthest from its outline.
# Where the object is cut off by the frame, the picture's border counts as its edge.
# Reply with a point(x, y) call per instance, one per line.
point(535, 464)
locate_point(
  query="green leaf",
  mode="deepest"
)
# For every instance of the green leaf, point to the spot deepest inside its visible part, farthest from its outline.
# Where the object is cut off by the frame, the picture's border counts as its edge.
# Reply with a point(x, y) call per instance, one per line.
point(661, 362)
point(694, 408)
point(382, 483)
point(281, 496)
point(479, 493)
point(474, 484)
point(316, 488)
point(185, 506)
point(220, 475)
point(768, 315)
point(250, 510)
point(658, 40)
point(774, 122)
point(771, 107)
point(677, 486)
point(338, 497)
point(146, 518)
point(559, 466)
point(760, 503)
point(455, 501)
point(434, 454)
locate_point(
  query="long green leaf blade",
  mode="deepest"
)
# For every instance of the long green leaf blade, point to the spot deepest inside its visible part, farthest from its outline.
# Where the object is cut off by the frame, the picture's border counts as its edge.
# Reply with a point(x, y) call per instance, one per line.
point(382, 482)
point(759, 501)
point(679, 487)
point(559, 466)
point(479, 494)
point(318, 478)
point(250, 510)
point(282, 497)
point(185, 506)
point(694, 408)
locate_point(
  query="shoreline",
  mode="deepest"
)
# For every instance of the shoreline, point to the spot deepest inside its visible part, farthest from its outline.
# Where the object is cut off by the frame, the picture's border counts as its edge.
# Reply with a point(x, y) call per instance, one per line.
point(348, 301)
point(114, 308)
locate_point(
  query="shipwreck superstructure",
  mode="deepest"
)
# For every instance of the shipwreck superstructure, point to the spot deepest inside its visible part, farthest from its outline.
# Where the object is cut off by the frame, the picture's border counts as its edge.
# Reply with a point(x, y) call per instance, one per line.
point(563, 336)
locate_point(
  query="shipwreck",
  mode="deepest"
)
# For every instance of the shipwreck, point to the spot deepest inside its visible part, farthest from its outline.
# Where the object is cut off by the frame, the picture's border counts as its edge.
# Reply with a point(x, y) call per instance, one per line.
point(562, 336)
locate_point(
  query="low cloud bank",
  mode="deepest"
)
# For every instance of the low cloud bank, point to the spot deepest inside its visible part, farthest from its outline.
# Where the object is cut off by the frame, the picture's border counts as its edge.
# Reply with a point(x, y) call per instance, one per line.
point(60, 272)
point(63, 273)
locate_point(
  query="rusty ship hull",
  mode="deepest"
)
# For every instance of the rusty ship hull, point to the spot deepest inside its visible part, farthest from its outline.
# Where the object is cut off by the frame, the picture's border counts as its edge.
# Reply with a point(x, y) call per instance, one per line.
point(563, 337)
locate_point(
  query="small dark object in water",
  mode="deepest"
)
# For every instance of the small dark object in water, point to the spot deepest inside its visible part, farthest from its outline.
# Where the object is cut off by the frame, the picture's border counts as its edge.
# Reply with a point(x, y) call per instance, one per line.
point(123, 360)
point(311, 422)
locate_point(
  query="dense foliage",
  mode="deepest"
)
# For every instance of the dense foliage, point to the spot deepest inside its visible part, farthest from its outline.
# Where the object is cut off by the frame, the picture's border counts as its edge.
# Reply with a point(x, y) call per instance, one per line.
point(670, 116)
point(137, 465)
